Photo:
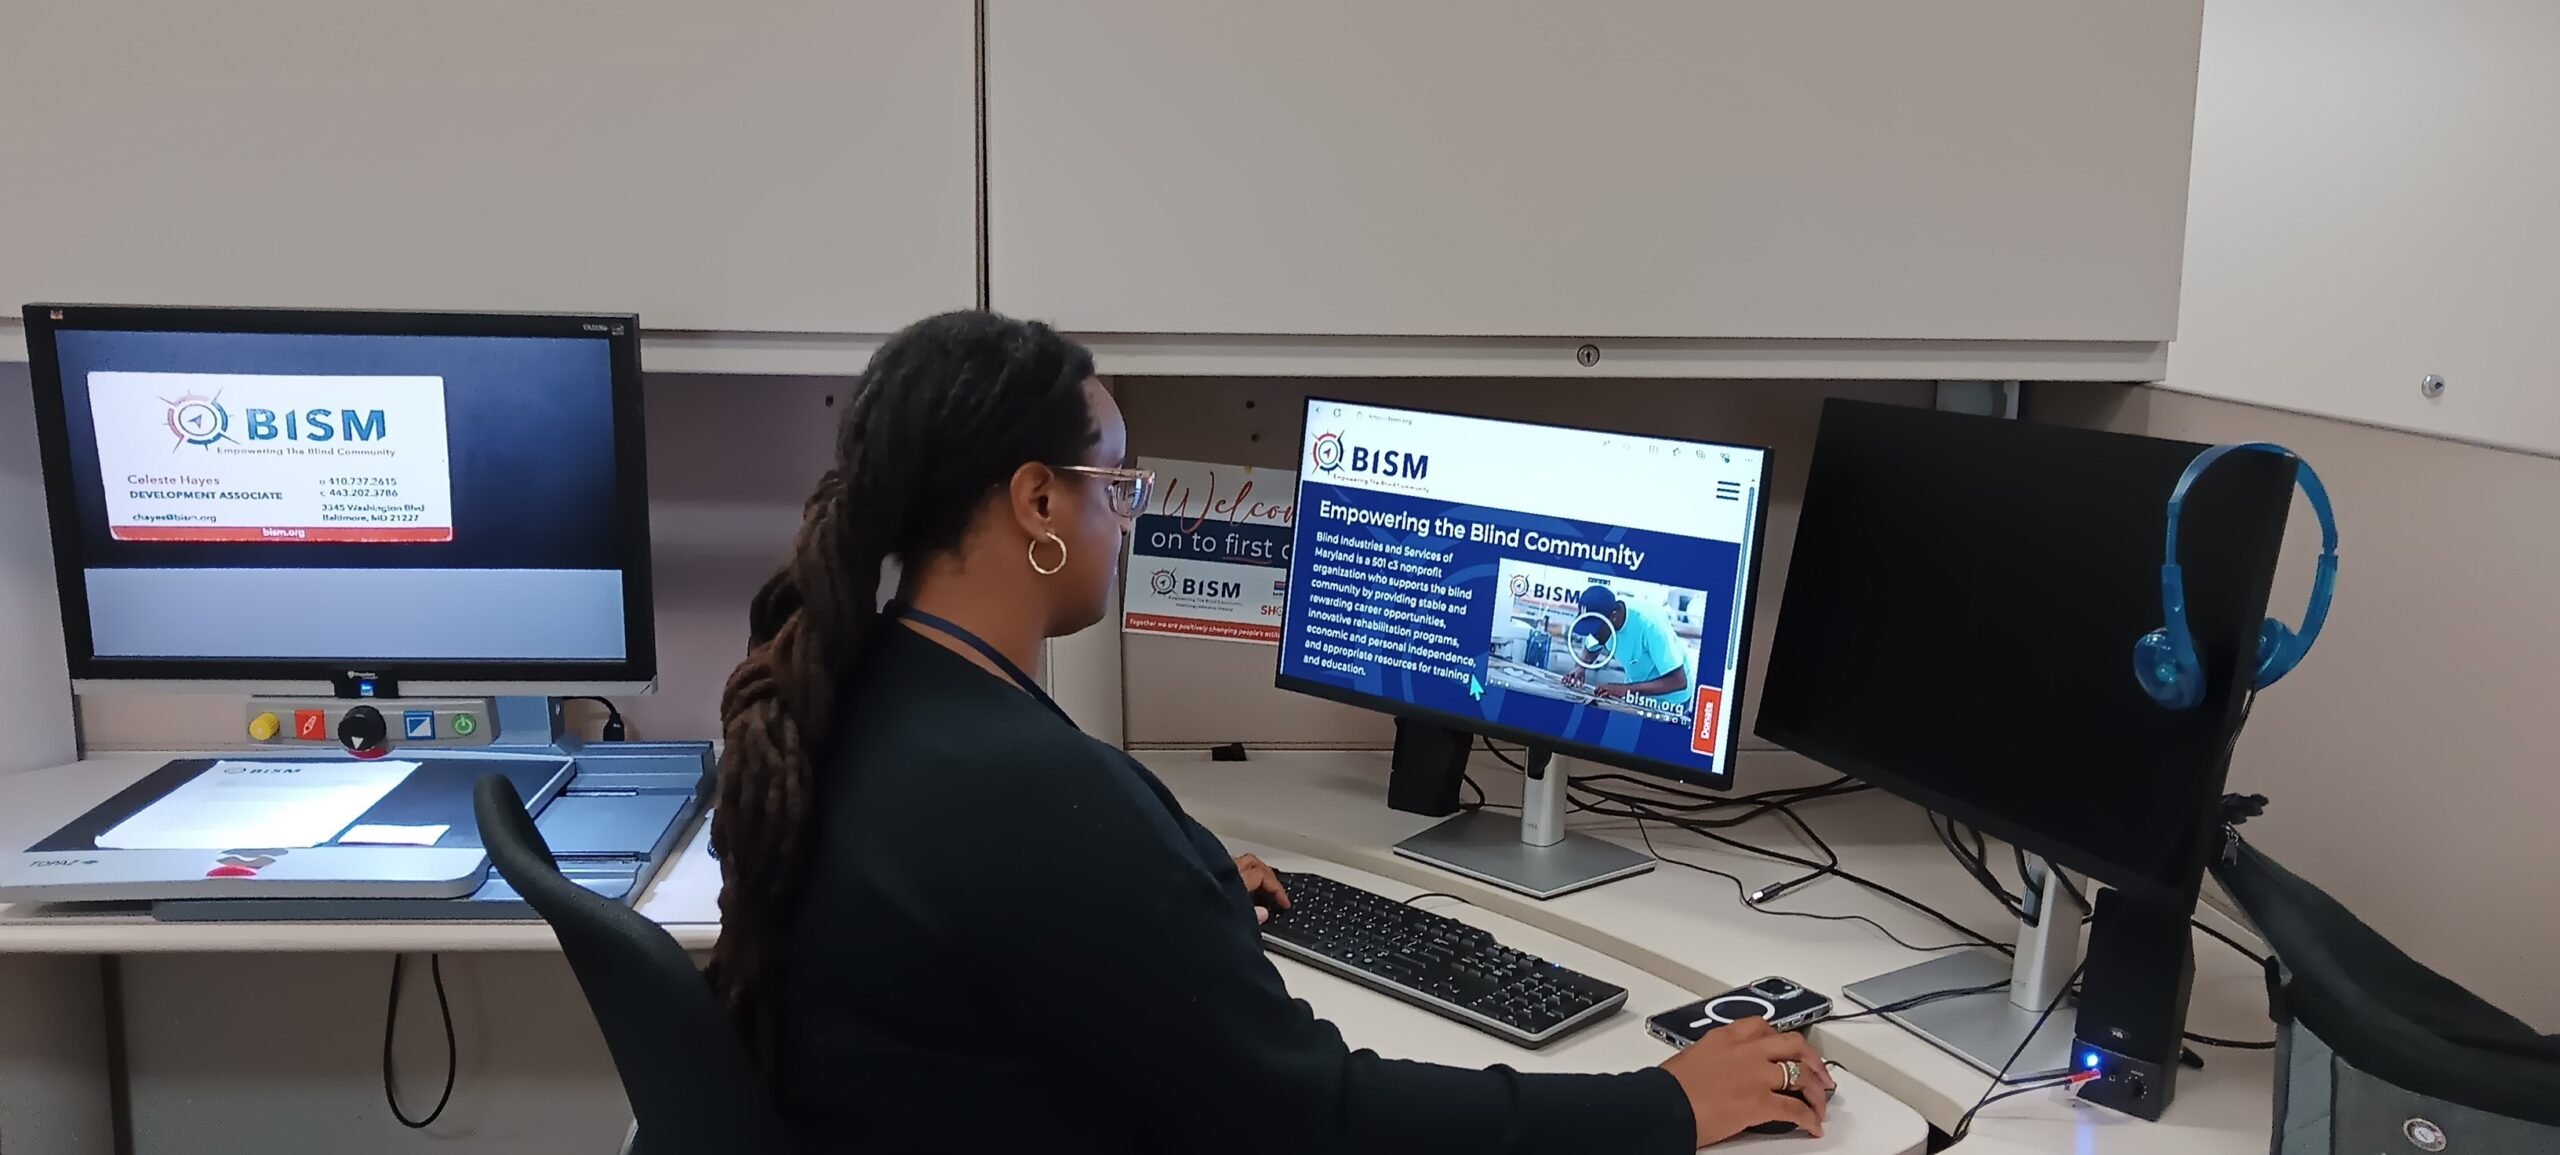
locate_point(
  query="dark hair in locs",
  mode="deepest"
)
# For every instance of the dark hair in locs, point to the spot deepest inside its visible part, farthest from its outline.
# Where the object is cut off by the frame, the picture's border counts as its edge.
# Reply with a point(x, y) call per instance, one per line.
point(944, 415)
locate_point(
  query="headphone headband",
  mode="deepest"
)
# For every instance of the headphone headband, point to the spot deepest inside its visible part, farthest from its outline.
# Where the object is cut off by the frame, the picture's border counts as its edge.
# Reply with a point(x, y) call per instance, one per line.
point(2166, 660)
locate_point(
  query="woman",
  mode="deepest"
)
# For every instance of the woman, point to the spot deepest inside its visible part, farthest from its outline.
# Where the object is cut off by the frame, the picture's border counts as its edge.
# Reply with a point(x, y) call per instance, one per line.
point(952, 922)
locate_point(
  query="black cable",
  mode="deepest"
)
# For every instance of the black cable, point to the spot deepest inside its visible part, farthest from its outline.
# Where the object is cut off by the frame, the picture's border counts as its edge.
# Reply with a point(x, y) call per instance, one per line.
point(390, 1031)
point(1435, 894)
point(2230, 1044)
point(2000, 1077)
point(2252, 956)
point(1688, 803)
point(1638, 810)
point(1971, 861)
point(1470, 781)
point(1917, 1001)
point(613, 731)
point(2231, 942)
point(1741, 891)
point(1507, 760)
point(2029, 1089)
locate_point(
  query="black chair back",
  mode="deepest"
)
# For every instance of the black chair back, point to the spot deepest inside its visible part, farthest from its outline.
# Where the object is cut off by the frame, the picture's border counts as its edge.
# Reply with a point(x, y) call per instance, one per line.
point(691, 1086)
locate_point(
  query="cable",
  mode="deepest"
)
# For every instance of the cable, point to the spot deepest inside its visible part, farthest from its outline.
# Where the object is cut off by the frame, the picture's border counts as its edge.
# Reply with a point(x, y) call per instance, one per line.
point(613, 731)
point(1690, 801)
point(1436, 894)
point(2049, 1084)
point(1974, 866)
point(2000, 1077)
point(1470, 781)
point(2252, 956)
point(1687, 803)
point(390, 1031)
point(1917, 1001)
point(1740, 891)
point(2231, 942)
point(1638, 810)
point(2230, 1044)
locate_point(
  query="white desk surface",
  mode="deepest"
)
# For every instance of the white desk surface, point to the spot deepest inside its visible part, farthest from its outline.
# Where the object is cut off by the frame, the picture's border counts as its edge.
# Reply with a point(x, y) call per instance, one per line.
point(1668, 935)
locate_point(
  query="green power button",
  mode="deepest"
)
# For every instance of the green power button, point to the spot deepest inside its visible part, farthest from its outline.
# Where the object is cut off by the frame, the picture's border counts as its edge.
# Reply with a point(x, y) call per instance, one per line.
point(464, 725)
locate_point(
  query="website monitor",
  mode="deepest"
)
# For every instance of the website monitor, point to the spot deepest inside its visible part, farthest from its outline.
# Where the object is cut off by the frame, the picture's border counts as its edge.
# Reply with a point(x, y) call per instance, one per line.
point(1580, 592)
point(269, 500)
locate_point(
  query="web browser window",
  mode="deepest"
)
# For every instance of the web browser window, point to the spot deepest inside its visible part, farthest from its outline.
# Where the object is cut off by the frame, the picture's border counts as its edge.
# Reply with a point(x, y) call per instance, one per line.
point(1582, 590)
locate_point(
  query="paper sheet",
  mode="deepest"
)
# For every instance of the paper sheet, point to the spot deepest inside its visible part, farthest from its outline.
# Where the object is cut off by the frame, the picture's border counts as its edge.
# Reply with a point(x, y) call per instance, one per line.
point(390, 834)
point(259, 805)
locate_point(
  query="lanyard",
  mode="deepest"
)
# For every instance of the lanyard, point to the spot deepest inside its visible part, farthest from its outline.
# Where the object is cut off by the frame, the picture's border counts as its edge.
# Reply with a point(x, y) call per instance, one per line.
point(979, 644)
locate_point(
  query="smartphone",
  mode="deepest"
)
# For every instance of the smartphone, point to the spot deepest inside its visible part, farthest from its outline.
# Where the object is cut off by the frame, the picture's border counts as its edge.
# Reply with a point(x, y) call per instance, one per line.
point(1784, 1002)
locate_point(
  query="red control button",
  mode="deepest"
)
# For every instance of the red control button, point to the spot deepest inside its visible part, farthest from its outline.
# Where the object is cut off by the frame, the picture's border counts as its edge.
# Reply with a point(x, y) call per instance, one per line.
point(311, 725)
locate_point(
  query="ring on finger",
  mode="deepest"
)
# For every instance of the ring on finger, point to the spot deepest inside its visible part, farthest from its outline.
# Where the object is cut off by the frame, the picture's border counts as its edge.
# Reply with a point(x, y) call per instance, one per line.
point(1793, 1072)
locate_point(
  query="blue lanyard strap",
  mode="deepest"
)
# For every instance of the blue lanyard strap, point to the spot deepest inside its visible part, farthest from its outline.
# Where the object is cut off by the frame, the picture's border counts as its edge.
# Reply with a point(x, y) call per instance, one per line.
point(979, 644)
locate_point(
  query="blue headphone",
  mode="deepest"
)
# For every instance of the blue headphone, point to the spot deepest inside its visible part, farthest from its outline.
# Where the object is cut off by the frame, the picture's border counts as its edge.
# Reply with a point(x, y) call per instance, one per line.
point(2164, 661)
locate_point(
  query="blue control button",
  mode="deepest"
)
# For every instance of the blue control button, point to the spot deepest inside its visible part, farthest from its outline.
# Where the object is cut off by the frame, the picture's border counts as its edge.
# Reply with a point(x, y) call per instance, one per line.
point(419, 723)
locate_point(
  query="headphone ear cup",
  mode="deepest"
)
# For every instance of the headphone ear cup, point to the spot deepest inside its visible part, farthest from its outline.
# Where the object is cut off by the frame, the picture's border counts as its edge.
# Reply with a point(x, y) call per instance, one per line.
point(2164, 673)
point(2277, 651)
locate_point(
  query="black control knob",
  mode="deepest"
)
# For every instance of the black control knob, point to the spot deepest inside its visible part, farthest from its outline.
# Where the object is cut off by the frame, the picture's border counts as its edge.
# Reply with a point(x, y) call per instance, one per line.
point(362, 730)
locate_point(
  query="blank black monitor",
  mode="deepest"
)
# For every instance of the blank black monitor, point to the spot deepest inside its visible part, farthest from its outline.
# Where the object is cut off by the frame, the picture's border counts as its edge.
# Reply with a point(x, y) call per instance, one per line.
point(1959, 622)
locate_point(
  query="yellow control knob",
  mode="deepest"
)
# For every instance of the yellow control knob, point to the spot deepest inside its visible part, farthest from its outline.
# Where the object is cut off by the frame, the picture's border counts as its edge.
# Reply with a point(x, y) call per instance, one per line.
point(264, 727)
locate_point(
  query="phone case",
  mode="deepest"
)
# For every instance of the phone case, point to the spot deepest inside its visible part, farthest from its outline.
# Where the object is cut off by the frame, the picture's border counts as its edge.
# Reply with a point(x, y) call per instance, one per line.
point(1785, 1003)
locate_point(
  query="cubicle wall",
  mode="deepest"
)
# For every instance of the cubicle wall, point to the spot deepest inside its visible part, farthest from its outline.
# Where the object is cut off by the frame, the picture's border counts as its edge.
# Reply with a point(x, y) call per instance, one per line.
point(2372, 205)
point(35, 688)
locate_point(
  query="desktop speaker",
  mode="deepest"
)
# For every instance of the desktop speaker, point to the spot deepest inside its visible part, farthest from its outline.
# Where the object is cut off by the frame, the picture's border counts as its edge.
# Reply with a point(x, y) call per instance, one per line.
point(1429, 763)
point(2133, 1004)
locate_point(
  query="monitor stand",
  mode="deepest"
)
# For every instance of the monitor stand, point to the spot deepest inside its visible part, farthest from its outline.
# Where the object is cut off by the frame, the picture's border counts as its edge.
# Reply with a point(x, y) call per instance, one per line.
point(1532, 855)
point(1986, 1029)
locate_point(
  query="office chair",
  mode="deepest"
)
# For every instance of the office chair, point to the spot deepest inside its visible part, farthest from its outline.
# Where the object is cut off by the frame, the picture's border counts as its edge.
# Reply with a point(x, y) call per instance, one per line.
point(2374, 1051)
point(692, 1089)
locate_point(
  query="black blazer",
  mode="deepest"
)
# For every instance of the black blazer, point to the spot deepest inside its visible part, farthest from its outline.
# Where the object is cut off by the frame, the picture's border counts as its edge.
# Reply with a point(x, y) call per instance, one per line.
point(1012, 938)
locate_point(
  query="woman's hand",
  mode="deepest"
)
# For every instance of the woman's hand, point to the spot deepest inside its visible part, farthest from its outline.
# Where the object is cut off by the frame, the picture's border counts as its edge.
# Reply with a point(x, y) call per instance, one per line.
point(1732, 1077)
point(1262, 885)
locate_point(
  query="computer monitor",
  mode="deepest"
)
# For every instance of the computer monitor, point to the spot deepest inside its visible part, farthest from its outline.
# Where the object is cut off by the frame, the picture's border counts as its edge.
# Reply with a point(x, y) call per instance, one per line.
point(269, 500)
point(1958, 627)
point(1583, 593)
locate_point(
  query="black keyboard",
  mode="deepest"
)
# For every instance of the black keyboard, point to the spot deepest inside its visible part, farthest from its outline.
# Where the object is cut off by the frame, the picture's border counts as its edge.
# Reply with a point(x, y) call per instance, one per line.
point(1435, 962)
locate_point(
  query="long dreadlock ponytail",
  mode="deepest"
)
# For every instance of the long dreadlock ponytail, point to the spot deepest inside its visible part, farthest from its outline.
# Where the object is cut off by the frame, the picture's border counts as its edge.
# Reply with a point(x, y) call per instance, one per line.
point(945, 414)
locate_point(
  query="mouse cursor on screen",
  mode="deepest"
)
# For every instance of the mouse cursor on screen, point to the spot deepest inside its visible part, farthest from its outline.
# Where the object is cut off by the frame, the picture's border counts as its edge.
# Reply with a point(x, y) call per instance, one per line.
point(1475, 687)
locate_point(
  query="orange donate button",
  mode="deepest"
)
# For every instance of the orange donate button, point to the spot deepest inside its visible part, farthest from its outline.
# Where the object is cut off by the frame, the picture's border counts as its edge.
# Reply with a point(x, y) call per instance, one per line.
point(1702, 739)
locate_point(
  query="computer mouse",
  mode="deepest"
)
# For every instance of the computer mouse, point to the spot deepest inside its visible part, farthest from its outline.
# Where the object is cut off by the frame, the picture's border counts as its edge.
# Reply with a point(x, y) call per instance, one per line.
point(1777, 1126)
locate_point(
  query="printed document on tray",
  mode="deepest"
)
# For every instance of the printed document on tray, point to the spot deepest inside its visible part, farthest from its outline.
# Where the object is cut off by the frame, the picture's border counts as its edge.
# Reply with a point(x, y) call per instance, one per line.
point(259, 805)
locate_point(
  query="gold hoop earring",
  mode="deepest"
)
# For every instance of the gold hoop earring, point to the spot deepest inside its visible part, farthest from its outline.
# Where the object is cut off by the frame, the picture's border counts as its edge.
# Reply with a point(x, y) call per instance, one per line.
point(1032, 554)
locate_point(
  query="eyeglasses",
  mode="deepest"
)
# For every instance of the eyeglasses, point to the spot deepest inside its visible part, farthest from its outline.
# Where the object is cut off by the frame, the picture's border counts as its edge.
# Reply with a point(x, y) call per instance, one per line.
point(1129, 488)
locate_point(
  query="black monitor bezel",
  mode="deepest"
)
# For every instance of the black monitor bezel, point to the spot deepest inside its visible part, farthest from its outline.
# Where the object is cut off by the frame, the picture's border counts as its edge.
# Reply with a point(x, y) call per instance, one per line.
point(621, 333)
point(2230, 674)
point(1670, 772)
